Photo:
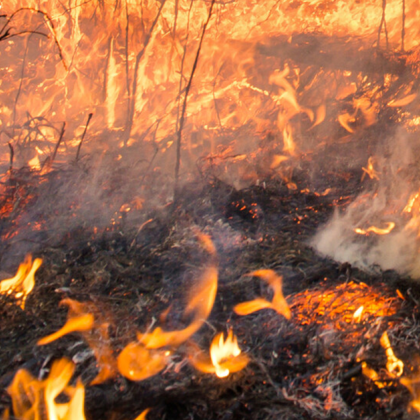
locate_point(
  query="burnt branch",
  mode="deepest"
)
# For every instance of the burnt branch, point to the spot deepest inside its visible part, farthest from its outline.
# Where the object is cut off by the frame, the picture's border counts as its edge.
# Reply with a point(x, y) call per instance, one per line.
point(58, 143)
point(83, 135)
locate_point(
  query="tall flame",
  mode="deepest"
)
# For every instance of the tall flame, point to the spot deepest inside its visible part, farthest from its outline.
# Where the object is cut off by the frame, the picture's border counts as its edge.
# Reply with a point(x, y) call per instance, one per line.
point(142, 359)
point(31, 397)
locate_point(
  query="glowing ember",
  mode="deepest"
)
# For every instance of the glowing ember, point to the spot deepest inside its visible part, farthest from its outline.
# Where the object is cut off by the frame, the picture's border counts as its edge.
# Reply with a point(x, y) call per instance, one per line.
point(394, 365)
point(87, 319)
point(374, 229)
point(278, 303)
point(338, 304)
point(23, 282)
point(36, 399)
point(225, 356)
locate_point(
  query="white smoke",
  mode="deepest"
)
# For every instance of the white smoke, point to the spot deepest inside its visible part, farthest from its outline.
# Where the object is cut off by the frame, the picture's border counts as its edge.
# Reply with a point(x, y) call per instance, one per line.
point(378, 206)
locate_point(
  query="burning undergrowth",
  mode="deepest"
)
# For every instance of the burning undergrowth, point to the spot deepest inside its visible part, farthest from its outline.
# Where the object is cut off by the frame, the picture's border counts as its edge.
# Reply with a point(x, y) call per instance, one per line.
point(167, 169)
point(323, 359)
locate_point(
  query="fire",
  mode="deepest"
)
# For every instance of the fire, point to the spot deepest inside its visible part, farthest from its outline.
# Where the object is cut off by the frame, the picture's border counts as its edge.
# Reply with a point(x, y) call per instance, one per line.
point(221, 350)
point(200, 305)
point(142, 359)
point(278, 302)
point(23, 282)
point(137, 363)
point(142, 415)
point(394, 365)
point(86, 319)
point(372, 375)
point(357, 316)
point(225, 356)
point(374, 229)
point(413, 385)
point(34, 399)
point(339, 304)
point(370, 170)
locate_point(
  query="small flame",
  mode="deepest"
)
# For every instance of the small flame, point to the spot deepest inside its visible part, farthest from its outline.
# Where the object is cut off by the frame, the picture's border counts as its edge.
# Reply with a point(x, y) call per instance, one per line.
point(141, 359)
point(223, 350)
point(394, 365)
point(413, 386)
point(86, 319)
point(23, 282)
point(200, 305)
point(374, 229)
point(370, 170)
point(225, 356)
point(137, 363)
point(403, 101)
point(278, 303)
point(33, 398)
point(142, 415)
point(372, 375)
point(357, 316)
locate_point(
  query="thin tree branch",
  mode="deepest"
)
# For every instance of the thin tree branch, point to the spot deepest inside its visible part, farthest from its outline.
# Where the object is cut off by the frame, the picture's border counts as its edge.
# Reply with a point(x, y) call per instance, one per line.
point(184, 106)
point(83, 136)
point(58, 143)
point(136, 70)
point(403, 26)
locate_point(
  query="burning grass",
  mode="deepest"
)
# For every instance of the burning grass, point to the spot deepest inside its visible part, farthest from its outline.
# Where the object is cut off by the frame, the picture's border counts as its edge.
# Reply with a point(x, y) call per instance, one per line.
point(163, 299)
point(327, 360)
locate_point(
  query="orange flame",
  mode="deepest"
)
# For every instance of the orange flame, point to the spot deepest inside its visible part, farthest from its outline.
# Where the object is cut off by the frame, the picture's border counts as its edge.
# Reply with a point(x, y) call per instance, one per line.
point(142, 415)
point(200, 304)
point(374, 229)
point(23, 282)
point(137, 363)
point(33, 398)
point(357, 316)
point(221, 350)
point(372, 375)
point(278, 303)
point(225, 357)
point(394, 365)
point(140, 360)
point(370, 170)
point(85, 318)
point(413, 385)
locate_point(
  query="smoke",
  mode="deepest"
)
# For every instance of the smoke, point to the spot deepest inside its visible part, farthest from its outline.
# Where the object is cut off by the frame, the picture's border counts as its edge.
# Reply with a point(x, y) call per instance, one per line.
point(392, 199)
